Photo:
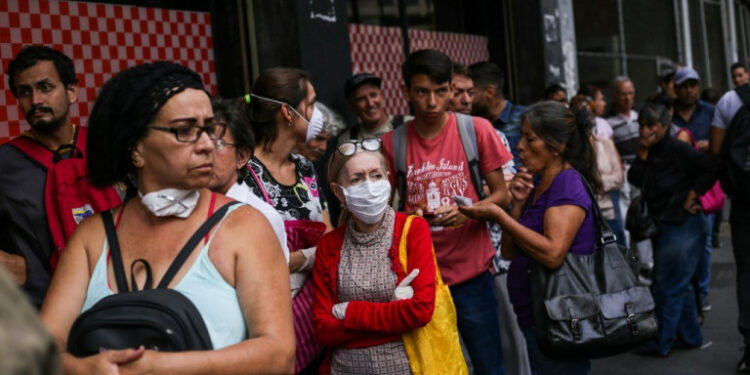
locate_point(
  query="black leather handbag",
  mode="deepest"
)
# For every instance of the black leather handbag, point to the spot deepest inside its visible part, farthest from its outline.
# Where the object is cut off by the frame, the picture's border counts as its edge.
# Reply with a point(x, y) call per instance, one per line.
point(592, 305)
point(639, 222)
point(160, 319)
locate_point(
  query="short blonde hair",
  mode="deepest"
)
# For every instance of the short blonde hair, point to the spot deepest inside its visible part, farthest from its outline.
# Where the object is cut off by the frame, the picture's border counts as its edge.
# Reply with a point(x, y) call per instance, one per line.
point(338, 160)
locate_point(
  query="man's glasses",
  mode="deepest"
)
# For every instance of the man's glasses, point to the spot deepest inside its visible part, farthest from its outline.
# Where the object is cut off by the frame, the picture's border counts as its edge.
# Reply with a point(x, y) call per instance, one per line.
point(191, 133)
point(348, 148)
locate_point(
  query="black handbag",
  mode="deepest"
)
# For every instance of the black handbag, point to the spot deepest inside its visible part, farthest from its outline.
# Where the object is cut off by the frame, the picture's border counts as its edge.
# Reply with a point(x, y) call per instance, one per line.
point(159, 319)
point(592, 306)
point(639, 222)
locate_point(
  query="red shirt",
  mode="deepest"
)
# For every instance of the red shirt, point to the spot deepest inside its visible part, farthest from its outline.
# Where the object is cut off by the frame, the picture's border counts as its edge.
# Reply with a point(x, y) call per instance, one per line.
point(437, 170)
point(373, 323)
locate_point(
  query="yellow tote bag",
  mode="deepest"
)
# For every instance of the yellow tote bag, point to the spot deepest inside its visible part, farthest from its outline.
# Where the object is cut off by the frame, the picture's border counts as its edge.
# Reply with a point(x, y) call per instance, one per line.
point(434, 348)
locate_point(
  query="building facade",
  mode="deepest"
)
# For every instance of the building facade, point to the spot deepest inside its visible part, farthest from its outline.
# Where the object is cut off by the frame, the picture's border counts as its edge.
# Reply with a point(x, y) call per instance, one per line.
point(536, 42)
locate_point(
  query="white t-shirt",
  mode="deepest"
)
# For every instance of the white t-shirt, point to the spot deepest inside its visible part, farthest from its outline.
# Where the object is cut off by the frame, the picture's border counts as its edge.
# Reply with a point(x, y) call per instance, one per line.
point(726, 108)
point(243, 193)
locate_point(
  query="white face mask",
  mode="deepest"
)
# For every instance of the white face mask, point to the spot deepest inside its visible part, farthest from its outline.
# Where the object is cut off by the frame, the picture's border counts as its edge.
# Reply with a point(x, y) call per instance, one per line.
point(314, 125)
point(368, 200)
point(171, 202)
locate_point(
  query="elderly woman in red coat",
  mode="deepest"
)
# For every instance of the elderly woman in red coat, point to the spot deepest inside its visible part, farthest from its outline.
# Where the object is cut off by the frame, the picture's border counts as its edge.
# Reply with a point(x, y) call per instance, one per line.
point(364, 301)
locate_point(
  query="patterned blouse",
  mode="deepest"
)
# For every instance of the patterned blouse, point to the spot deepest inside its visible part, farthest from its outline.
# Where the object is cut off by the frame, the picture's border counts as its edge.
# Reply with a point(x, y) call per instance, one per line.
point(365, 274)
point(301, 201)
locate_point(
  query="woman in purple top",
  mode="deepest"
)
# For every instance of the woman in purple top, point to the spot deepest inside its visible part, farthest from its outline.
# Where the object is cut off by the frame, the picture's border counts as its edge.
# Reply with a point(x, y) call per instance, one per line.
point(547, 219)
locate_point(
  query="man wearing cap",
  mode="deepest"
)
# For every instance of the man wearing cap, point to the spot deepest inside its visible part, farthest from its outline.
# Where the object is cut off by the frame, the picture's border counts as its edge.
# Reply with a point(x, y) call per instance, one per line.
point(691, 112)
point(365, 98)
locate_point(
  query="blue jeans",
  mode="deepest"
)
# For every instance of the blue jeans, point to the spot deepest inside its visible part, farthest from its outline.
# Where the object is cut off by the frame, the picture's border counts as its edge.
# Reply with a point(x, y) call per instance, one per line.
point(618, 223)
point(543, 365)
point(704, 264)
point(677, 250)
point(476, 309)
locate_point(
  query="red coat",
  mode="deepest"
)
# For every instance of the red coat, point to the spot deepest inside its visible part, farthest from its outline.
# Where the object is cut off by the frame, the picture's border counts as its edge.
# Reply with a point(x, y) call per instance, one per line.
point(373, 323)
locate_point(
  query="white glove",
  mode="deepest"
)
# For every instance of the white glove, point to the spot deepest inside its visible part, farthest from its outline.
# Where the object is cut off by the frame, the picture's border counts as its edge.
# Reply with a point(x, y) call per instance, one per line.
point(309, 254)
point(403, 289)
point(339, 310)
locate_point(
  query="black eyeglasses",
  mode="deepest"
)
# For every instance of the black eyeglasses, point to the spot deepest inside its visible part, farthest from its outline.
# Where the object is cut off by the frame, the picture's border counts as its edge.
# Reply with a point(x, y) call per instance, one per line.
point(348, 148)
point(191, 133)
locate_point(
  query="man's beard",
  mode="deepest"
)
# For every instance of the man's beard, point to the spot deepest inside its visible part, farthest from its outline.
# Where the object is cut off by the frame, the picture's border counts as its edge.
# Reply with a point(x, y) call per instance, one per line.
point(44, 125)
point(481, 111)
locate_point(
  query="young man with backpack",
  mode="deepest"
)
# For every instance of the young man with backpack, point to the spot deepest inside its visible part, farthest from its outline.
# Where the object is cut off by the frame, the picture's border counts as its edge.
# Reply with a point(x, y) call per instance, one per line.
point(36, 165)
point(730, 141)
point(436, 160)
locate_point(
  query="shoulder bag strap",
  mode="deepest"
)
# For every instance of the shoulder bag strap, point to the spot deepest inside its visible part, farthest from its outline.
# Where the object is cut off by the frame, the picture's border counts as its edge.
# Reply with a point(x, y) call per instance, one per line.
point(606, 236)
point(114, 252)
point(261, 187)
point(399, 159)
point(403, 256)
point(468, 136)
point(192, 243)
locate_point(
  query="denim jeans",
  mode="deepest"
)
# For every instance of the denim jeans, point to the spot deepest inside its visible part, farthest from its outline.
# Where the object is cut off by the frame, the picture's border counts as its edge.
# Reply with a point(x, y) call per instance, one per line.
point(703, 274)
point(476, 309)
point(618, 223)
point(543, 365)
point(677, 250)
point(739, 222)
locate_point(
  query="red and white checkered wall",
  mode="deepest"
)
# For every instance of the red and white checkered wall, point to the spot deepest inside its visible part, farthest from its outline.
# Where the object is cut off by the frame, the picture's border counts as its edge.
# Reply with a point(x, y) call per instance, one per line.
point(379, 50)
point(102, 40)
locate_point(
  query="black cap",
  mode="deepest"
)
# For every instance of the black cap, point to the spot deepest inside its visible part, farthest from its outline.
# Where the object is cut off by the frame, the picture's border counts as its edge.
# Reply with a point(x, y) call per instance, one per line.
point(356, 80)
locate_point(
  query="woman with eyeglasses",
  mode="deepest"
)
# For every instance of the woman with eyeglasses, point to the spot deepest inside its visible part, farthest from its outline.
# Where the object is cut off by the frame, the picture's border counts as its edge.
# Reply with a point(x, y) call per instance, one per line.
point(153, 126)
point(283, 113)
point(232, 153)
point(364, 300)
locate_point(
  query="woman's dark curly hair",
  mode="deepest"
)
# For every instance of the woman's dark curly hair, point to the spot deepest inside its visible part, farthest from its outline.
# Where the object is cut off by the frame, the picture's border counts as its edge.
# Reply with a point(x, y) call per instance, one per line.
point(567, 133)
point(124, 107)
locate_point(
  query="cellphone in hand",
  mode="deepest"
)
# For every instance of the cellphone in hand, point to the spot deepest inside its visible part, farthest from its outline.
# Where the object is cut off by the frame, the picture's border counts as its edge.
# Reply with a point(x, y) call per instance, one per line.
point(462, 201)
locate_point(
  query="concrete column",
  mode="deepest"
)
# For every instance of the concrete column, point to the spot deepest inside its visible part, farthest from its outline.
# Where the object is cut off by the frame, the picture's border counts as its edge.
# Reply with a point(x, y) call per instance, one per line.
point(559, 39)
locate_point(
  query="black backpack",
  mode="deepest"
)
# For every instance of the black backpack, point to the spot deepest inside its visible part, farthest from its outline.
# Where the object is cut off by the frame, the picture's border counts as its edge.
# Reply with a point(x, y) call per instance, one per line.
point(735, 151)
point(160, 319)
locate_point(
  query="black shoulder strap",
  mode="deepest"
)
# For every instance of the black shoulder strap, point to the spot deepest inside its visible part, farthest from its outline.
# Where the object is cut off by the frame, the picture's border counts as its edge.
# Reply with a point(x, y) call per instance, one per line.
point(192, 243)
point(606, 236)
point(114, 251)
point(399, 160)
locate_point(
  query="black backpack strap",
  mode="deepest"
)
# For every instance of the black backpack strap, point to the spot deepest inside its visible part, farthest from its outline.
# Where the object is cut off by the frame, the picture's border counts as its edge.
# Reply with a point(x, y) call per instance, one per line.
point(468, 136)
point(114, 251)
point(192, 243)
point(148, 284)
point(399, 159)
